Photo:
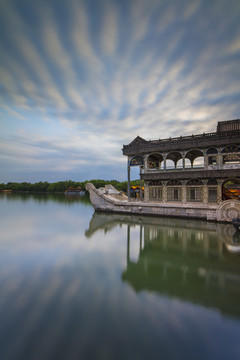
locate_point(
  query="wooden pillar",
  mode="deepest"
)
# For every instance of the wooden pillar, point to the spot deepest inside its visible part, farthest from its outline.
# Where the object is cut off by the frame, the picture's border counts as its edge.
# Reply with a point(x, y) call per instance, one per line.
point(141, 193)
point(128, 244)
point(128, 189)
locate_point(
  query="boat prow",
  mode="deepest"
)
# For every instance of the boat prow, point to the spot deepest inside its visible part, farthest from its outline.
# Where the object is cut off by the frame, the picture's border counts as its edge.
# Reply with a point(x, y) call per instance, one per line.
point(106, 198)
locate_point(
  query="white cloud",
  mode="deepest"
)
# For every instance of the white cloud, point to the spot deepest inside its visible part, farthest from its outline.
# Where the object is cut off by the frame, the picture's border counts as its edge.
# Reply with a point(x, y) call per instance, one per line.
point(83, 99)
point(110, 26)
point(191, 9)
point(32, 58)
point(234, 46)
point(81, 37)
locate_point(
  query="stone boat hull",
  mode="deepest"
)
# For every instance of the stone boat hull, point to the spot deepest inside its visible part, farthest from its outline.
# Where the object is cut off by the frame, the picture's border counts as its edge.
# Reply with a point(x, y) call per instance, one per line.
point(109, 199)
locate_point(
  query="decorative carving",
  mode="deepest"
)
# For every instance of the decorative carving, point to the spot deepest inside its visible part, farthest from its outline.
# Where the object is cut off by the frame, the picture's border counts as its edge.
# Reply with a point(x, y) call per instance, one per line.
point(137, 142)
point(228, 210)
point(136, 161)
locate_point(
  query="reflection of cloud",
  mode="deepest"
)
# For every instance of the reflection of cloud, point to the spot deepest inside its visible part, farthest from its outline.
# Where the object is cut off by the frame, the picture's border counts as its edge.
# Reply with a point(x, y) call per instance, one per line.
point(57, 285)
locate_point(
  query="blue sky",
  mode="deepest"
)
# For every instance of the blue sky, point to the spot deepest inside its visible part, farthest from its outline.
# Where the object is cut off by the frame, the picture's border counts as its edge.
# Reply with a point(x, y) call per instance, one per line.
point(78, 79)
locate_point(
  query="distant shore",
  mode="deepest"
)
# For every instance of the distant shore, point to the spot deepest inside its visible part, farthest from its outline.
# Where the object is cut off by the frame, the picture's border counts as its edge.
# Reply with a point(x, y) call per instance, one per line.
point(62, 186)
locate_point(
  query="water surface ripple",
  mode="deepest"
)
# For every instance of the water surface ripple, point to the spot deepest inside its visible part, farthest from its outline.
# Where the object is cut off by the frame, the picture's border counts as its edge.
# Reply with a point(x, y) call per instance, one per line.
point(75, 284)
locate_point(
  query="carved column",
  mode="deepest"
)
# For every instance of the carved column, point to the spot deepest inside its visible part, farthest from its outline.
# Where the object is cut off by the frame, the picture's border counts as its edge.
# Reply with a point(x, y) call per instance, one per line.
point(205, 192)
point(219, 191)
point(184, 192)
point(205, 159)
point(164, 193)
point(146, 191)
point(219, 158)
point(145, 159)
point(164, 161)
point(183, 158)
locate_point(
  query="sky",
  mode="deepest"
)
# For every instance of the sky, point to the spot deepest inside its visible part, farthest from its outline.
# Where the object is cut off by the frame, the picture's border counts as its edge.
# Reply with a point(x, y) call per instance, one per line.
point(80, 78)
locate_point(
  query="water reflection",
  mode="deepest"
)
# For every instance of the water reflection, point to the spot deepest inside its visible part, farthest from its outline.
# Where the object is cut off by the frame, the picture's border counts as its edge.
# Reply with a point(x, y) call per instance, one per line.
point(192, 260)
point(46, 197)
point(128, 288)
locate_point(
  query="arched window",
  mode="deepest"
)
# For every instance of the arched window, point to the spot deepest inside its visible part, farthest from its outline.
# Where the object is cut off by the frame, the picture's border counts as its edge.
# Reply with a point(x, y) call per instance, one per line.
point(174, 183)
point(155, 183)
point(194, 182)
point(155, 190)
point(172, 159)
point(212, 151)
point(231, 154)
point(212, 190)
point(231, 189)
point(154, 161)
point(212, 156)
point(231, 149)
point(194, 190)
point(174, 190)
point(136, 161)
point(212, 182)
point(196, 158)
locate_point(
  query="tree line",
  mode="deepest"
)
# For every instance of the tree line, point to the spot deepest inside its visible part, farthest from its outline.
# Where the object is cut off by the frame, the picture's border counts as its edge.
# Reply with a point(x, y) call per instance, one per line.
point(62, 186)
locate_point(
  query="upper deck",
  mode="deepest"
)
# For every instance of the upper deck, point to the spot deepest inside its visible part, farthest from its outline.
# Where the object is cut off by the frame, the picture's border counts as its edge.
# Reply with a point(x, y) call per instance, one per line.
point(228, 133)
point(203, 155)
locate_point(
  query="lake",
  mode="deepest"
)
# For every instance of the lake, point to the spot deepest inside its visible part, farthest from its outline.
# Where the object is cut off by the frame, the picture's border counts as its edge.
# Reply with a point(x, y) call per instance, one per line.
point(75, 284)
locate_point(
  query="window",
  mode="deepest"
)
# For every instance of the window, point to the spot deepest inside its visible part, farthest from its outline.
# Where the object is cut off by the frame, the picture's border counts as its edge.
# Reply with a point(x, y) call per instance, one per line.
point(174, 194)
point(231, 189)
point(194, 194)
point(155, 193)
point(212, 194)
point(212, 151)
point(231, 154)
point(231, 159)
point(212, 160)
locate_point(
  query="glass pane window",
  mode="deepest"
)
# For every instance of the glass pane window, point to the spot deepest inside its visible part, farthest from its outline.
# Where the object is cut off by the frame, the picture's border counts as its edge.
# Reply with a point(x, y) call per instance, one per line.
point(174, 194)
point(212, 195)
point(231, 158)
point(155, 193)
point(212, 160)
point(194, 194)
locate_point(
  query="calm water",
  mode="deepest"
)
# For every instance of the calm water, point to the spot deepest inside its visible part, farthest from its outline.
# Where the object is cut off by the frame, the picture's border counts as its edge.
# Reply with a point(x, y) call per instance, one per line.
point(79, 285)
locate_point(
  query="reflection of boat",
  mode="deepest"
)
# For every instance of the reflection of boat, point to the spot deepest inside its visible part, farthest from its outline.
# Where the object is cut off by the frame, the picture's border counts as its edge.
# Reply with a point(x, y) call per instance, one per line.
point(107, 221)
point(233, 248)
point(236, 223)
point(72, 190)
point(109, 199)
point(234, 245)
point(186, 259)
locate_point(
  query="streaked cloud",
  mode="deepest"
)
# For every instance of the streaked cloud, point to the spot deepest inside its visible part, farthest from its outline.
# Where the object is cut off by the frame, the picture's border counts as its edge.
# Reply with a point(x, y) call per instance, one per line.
point(81, 78)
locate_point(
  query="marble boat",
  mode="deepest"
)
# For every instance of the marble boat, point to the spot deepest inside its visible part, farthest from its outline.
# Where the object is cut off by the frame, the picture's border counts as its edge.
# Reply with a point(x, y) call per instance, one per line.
point(195, 176)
